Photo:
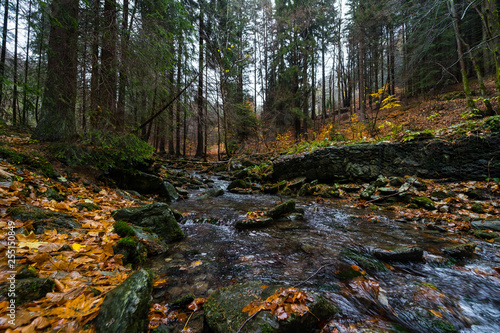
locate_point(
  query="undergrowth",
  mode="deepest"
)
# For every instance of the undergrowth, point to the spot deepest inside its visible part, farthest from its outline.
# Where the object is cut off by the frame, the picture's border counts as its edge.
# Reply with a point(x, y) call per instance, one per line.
point(105, 151)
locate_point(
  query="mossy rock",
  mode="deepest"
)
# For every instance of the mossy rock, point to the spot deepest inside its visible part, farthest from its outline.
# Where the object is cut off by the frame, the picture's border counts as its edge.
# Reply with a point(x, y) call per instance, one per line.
point(238, 183)
point(133, 251)
point(223, 311)
point(54, 195)
point(158, 217)
point(27, 271)
point(460, 250)
point(399, 253)
point(123, 229)
point(423, 202)
point(88, 206)
point(125, 308)
point(254, 223)
point(43, 219)
point(365, 261)
point(34, 161)
point(281, 209)
point(368, 192)
point(29, 289)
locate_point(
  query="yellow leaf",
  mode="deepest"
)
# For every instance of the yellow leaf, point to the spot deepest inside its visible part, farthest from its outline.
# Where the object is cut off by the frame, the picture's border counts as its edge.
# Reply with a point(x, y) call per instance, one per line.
point(76, 247)
point(436, 313)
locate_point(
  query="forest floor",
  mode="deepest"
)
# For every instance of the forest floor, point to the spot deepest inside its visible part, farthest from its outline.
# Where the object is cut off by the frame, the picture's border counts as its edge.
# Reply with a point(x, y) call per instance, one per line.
point(82, 263)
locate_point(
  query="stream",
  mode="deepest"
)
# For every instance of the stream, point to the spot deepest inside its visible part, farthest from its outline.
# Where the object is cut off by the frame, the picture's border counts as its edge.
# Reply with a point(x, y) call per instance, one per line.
point(307, 252)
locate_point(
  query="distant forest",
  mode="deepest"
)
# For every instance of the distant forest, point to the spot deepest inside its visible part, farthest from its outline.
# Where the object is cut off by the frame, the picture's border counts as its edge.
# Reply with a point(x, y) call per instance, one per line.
point(187, 76)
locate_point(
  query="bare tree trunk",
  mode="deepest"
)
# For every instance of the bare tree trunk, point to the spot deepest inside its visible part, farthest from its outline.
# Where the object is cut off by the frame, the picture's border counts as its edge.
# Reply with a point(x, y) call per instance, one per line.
point(3, 54)
point(463, 70)
point(15, 92)
point(199, 99)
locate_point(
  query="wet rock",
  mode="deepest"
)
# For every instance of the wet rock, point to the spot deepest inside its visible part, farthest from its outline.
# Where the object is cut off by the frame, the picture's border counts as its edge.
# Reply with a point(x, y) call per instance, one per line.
point(435, 259)
point(476, 194)
point(273, 189)
point(486, 235)
point(158, 217)
point(238, 183)
point(350, 188)
point(223, 311)
point(477, 207)
point(43, 219)
point(396, 181)
point(212, 193)
point(133, 251)
point(399, 253)
point(440, 195)
point(144, 183)
point(460, 250)
point(324, 191)
point(381, 181)
point(368, 192)
point(486, 224)
point(423, 202)
point(28, 289)
point(125, 308)
point(365, 261)
point(388, 190)
point(253, 223)
point(281, 209)
point(296, 183)
point(152, 243)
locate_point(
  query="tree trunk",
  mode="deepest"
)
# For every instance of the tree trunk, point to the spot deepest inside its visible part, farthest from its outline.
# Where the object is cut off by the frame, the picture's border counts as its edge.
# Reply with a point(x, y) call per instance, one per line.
point(463, 70)
point(15, 93)
point(199, 98)
point(3, 55)
point(58, 106)
point(109, 63)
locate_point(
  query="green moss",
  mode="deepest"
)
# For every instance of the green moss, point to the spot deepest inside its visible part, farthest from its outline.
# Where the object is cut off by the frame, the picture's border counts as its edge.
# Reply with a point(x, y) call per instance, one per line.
point(133, 251)
point(123, 229)
point(367, 262)
point(423, 202)
point(35, 161)
point(88, 206)
point(183, 302)
point(105, 151)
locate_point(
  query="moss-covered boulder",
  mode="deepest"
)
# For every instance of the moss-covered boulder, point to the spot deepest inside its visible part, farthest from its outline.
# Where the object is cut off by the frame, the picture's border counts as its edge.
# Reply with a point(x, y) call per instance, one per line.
point(238, 183)
point(460, 250)
point(365, 261)
point(157, 217)
point(223, 311)
point(133, 251)
point(43, 219)
point(126, 307)
point(399, 253)
point(28, 289)
point(144, 183)
point(259, 222)
point(282, 209)
point(368, 192)
point(423, 202)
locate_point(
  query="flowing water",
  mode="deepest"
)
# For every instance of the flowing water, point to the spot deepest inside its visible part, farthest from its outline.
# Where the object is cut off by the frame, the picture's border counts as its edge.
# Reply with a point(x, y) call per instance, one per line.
point(306, 253)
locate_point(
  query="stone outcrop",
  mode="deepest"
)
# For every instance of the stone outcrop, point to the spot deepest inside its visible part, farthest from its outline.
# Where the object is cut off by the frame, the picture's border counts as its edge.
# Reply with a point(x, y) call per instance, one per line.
point(467, 158)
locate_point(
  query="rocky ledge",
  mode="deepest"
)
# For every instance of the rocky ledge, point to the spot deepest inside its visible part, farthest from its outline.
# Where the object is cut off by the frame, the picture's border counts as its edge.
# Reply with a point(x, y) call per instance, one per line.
point(467, 158)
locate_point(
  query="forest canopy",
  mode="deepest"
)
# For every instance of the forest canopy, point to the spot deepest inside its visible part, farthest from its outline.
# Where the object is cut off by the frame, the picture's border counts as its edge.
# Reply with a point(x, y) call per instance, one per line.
point(204, 77)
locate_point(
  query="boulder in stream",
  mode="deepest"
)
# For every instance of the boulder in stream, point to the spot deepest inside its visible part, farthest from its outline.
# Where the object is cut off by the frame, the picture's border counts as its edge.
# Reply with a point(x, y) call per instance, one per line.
point(460, 250)
point(158, 217)
point(224, 311)
point(125, 308)
point(145, 183)
point(399, 253)
point(281, 209)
